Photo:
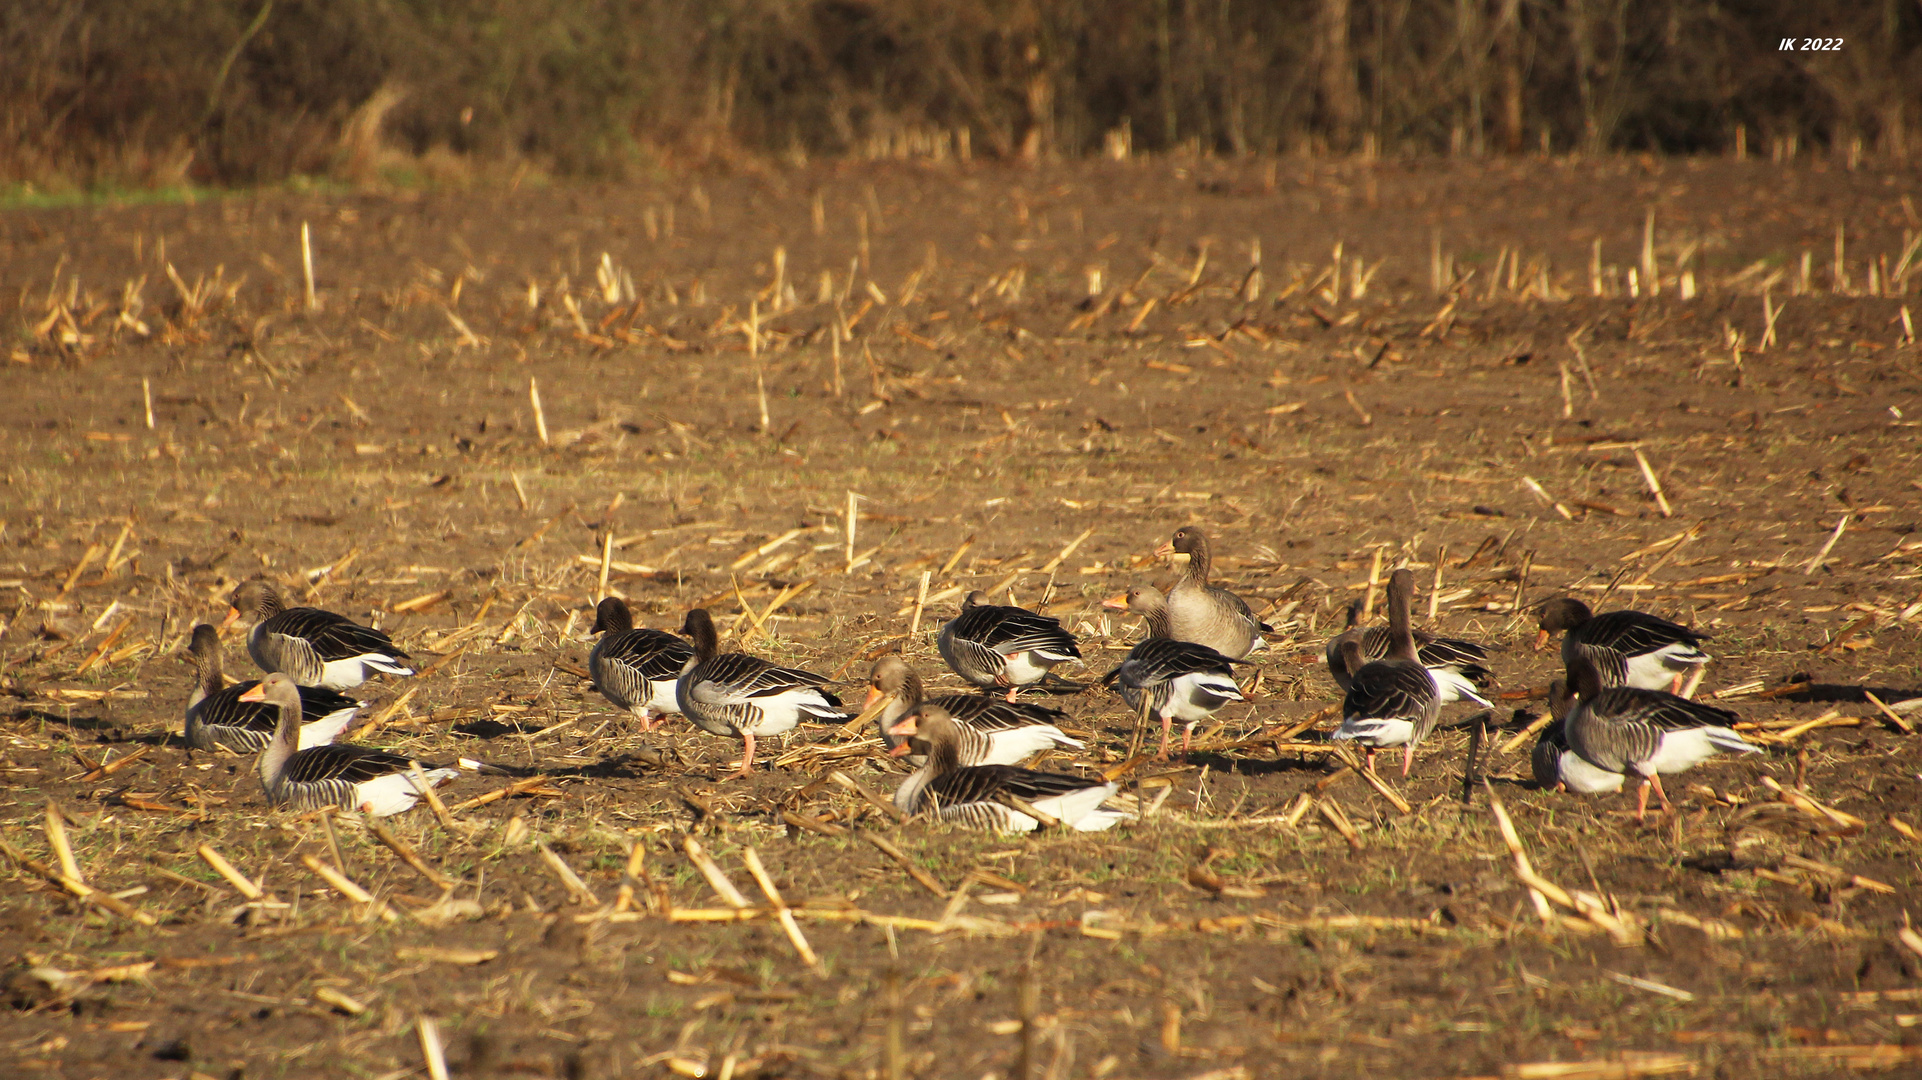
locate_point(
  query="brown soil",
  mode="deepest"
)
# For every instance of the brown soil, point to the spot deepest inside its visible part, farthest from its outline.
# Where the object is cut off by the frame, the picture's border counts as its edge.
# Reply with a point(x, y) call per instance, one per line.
point(1005, 403)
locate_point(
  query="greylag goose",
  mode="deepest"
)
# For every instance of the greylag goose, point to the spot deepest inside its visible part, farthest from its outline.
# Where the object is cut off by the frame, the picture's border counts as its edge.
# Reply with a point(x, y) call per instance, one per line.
point(361, 778)
point(1207, 614)
point(993, 646)
point(969, 795)
point(1147, 602)
point(1645, 733)
point(636, 669)
point(1175, 680)
point(992, 731)
point(1558, 768)
point(744, 697)
point(1627, 648)
point(1455, 664)
point(216, 716)
point(313, 647)
point(1392, 701)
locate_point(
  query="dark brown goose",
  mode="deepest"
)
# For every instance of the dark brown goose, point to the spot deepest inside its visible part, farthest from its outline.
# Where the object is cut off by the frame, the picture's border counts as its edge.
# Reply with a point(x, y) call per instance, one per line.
point(1393, 701)
point(311, 646)
point(745, 697)
point(361, 778)
point(1456, 665)
point(216, 717)
point(1645, 733)
point(636, 668)
point(1626, 648)
point(1207, 614)
point(969, 795)
point(1000, 647)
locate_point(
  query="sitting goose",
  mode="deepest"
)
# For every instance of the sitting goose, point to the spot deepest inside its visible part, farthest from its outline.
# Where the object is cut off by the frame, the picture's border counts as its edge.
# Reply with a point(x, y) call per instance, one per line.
point(361, 778)
point(1557, 768)
point(1175, 680)
point(636, 669)
point(1003, 647)
point(742, 696)
point(1208, 614)
point(1626, 648)
point(968, 794)
point(992, 731)
point(313, 647)
point(1645, 733)
point(1393, 701)
point(217, 717)
point(1455, 664)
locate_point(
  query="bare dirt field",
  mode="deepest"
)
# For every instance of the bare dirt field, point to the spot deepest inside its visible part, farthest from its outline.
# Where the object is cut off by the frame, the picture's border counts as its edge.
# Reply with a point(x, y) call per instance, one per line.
point(1030, 379)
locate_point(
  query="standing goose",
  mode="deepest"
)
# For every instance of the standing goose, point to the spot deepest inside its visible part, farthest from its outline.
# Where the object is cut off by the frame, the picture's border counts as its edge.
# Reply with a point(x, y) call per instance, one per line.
point(1626, 648)
point(1456, 665)
point(742, 696)
point(217, 717)
point(1557, 767)
point(1645, 733)
point(1208, 614)
point(969, 794)
point(1003, 647)
point(313, 647)
point(1175, 680)
point(636, 669)
point(992, 731)
point(361, 778)
point(1393, 701)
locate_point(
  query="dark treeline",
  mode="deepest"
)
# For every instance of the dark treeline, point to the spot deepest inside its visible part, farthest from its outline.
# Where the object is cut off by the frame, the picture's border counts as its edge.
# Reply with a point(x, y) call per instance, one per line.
point(155, 91)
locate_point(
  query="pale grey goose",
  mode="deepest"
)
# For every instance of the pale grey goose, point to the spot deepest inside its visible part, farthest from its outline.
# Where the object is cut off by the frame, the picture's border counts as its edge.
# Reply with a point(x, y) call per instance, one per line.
point(1203, 613)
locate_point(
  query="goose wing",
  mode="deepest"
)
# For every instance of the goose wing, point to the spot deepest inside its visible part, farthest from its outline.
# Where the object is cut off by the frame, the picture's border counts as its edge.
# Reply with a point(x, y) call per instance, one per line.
point(650, 654)
point(1162, 660)
point(343, 761)
point(983, 783)
point(1391, 690)
point(1634, 633)
point(330, 636)
point(985, 713)
point(737, 678)
point(1011, 630)
point(1658, 711)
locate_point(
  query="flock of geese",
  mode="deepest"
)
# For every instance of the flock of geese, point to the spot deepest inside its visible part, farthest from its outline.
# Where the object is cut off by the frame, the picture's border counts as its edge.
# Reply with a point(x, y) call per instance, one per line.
point(1619, 714)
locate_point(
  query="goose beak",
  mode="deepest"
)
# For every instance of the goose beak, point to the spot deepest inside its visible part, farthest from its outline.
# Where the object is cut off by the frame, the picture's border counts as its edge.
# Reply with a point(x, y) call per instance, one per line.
point(872, 707)
point(901, 749)
point(255, 693)
point(233, 616)
point(1541, 639)
point(904, 727)
point(1165, 550)
point(1118, 601)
